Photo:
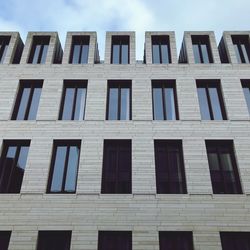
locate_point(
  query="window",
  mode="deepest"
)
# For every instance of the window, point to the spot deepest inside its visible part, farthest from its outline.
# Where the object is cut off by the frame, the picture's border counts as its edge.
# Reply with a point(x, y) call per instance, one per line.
point(161, 49)
point(164, 100)
point(201, 49)
point(169, 167)
point(56, 240)
point(235, 240)
point(116, 174)
point(119, 100)
point(210, 100)
point(176, 240)
point(120, 50)
point(246, 90)
point(79, 50)
point(73, 100)
point(12, 165)
point(39, 49)
point(4, 43)
point(242, 48)
point(27, 100)
point(4, 239)
point(114, 240)
point(223, 169)
point(64, 166)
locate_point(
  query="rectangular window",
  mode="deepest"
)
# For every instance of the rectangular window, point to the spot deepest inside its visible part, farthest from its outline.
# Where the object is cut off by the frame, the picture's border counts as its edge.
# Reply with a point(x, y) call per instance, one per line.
point(120, 50)
point(169, 167)
point(114, 240)
point(246, 90)
point(79, 50)
point(73, 100)
point(235, 240)
point(4, 239)
point(210, 100)
point(223, 169)
point(64, 166)
point(119, 104)
point(39, 49)
point(4, 44)
point(27, 100)
point(56, 240)
point(161, 49)
point(176, 240)
point(12, 165)
point(201, 49)
point(117, 167)
point(242, 48)
point(164, 100)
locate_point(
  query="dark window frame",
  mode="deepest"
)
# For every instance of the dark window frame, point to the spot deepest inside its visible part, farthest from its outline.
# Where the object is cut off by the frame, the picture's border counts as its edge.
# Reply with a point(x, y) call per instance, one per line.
point(239, 40)
point(230, 239)
point(5, 239)
point(68, 144)
point(76, 84)
point(4, 45)
point(165, 84)
point(213, 84)
point(246, 85)
point(120, 40)
point(220, 146)
point(119, 84)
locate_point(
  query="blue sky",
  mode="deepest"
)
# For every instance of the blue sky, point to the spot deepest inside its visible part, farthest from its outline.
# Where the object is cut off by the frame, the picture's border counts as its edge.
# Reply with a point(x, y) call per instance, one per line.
point(134, 15)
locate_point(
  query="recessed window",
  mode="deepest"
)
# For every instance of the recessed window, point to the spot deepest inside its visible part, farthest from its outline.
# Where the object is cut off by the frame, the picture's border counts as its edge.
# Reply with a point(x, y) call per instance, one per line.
point(114, 240)
point(176, 240)
point(56, 240)
point(119, 100)
point(169, 166)
point(12, 165)
point(210, 100)
point(4, 44)
point(39, 49)
point(79, 50)
point(120, 50)
point(201, 49)
point(161, 49)
point(246, 90)
point(242, 48)
point(235, 240)
point(164, 100)
point(27, 100)
point(223, 169)
point(4, 239)
point(73, 100)
point(64, 166)
point(117, 167)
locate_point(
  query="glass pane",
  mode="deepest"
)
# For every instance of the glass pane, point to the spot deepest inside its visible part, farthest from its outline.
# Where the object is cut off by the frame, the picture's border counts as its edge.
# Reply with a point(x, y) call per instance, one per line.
point(34, 103)
point(21, 163)
point(197, 58)
point(70, 184)
point(169, 103)
point(213, 161)
point(76, 54)
point(23, 104)
point(247, 97)
point(204, 52)
point(5, 48)
point(116, 56)
point(85, 53)
point(215, 103)
point(124, 54)
point(226, 162)
point(68, 104)
point(36, 54)
point(156, 54)
point(244, 52)
point(113, 104)
point(158, 104)
point(57, 177)
point(164, 53)
point(125, 102)
point(44, 53)
point(80, 104)
point(237, 53)
point(204, 109)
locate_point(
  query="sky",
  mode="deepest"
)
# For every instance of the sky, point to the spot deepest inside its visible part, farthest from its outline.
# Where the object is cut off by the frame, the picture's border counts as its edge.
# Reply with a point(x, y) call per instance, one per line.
point(130, 15)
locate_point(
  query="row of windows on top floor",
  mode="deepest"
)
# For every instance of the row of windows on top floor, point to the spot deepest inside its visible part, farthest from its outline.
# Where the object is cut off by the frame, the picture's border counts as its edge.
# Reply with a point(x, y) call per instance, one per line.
point(119, 103)
point(122, 240)
point(117, 166)
point(120, 46)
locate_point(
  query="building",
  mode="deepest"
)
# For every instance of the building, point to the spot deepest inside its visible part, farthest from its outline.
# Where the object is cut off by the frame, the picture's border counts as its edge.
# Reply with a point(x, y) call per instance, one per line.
point(122, 154)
